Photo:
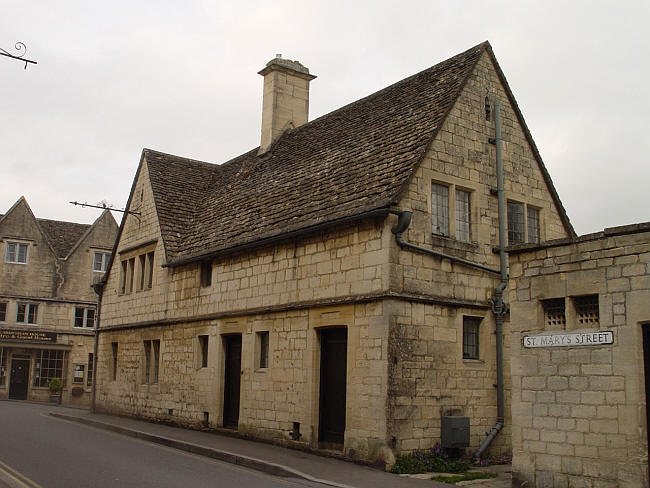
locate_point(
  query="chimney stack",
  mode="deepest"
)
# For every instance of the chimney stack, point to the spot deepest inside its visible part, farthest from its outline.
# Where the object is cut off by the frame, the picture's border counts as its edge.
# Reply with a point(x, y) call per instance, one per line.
point(285, 103)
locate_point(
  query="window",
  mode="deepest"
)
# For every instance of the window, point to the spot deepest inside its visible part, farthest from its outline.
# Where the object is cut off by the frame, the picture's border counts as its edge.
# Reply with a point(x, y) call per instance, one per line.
point(586, 309)
point(16, 252)
point(203, 350)
point(462, 215)
point(50, 364)
point(151, 361)
point(440, 209)
point(27, 313)
point(554, 316)
point(141, 272)
point(3, 311)
point(91, 365)
point(114, 363)
point(137, 270)
point(470, 337)
point(441, 212)
point(149, 281)
point(262, 350)
point(533, 225)
point(84, 317)
point(123, 276)
point(78, 377)
point(515, 223)
point(206, 273)
point(100, 261)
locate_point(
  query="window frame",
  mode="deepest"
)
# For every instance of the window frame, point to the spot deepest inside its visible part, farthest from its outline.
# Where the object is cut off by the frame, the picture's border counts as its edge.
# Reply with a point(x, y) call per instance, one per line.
point(455, 212)
point(262, 346)
point(52, 361)
point(18, 245)
point(4, 307)
point(103, 263)
point(554, 313)
point(472, 330)
point(463, 215)
point(30, 310)
point(442, 209)
point(84, 318)
point(151, 367)
point(204, 350)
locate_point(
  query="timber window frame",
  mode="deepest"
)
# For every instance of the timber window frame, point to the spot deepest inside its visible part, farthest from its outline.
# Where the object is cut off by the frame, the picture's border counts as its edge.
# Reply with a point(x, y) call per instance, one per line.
point(100, 261)
point(84, 318)
point(3, 312)
point(451, 211)
point(136, 272)
point(16, 252)
point(27, 313)
point(471, 337)
point(50, 364)
point(523, 223)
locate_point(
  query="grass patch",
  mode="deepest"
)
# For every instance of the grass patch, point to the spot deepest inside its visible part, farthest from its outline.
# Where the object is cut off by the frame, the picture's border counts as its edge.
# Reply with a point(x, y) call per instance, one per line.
point(474, 475)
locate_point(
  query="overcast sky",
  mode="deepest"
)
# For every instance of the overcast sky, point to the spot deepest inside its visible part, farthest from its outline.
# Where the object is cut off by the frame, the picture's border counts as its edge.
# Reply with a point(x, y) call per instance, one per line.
point(181, 77)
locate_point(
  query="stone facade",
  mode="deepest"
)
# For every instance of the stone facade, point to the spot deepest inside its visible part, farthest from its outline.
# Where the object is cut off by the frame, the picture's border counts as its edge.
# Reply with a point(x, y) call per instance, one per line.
point(579, 413)
point(403, 312)
point(47, 304)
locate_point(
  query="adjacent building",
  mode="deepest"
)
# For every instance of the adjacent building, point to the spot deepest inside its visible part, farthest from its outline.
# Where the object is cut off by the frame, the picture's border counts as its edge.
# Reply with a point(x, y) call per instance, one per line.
point(286, 293)
point(47, 303)
point(580, 317)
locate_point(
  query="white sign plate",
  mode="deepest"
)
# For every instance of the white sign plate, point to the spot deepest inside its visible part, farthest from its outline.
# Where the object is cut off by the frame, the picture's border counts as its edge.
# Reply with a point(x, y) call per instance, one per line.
point(573, 339)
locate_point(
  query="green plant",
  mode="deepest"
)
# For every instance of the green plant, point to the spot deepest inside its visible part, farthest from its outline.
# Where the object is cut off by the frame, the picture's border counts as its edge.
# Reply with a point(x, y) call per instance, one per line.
point(435, 460)
point(55, 386)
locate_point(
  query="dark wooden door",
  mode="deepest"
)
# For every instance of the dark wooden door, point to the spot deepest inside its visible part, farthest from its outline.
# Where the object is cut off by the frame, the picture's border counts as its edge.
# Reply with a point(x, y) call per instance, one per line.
point(333, 372)
point(646, 363)
point(19, 379)
point(232, 381)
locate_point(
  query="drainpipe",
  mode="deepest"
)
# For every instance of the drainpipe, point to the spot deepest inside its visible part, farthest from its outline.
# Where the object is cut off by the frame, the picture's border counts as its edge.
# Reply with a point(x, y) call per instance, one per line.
point(499, 308)
point(99, 289)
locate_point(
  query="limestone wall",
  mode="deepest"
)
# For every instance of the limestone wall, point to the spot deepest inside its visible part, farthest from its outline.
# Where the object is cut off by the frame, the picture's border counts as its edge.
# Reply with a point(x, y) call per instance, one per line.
point(579, 412)
point(271, 398)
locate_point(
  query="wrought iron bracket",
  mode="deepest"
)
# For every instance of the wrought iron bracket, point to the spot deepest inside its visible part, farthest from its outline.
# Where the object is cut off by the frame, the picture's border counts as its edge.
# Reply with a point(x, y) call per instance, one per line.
point(20, 55)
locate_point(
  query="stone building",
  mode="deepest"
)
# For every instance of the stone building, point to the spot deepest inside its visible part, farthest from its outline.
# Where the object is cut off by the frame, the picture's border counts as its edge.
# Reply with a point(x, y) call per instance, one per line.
point(269, 294)
point(580, 315)
point(47, 303)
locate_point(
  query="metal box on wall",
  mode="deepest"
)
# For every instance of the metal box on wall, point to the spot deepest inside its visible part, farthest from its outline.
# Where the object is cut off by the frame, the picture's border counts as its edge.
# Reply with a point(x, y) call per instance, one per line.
point(455, 432)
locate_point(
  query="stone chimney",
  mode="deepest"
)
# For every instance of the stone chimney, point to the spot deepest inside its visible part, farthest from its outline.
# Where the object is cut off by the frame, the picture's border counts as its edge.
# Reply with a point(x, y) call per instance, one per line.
point(285, 104)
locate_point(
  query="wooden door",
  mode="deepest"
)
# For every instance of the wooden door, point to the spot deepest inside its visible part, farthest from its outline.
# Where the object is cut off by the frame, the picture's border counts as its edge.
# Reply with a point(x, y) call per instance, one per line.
point(232, 381)
point(19, 383)
point(333, 373)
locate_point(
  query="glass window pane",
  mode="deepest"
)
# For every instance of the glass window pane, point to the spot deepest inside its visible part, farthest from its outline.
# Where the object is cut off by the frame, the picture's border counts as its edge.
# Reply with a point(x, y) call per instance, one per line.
point(515, 223)
point(462, 215)
point(533, 225)
point(22, 253)
point(440, 209)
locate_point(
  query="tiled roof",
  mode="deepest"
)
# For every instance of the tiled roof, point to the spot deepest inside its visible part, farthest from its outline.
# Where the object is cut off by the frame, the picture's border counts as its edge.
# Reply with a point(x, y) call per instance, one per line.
point(62, 235)
point(353, 160)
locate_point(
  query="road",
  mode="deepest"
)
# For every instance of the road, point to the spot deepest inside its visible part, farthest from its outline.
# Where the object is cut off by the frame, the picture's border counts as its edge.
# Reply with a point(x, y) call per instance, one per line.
point(39, 450)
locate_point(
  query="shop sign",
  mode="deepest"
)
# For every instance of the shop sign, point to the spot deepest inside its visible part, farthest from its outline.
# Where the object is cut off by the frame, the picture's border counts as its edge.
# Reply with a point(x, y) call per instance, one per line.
point(27, 336)
point(574, 339)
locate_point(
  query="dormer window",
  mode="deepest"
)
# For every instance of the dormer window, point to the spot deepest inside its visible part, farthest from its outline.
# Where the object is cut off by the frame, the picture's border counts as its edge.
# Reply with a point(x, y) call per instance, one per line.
point(16, 252)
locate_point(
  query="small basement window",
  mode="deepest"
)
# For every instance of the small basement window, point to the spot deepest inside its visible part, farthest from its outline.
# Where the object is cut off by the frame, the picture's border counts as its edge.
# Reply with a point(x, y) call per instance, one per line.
point(586, 309)
point(554, 313)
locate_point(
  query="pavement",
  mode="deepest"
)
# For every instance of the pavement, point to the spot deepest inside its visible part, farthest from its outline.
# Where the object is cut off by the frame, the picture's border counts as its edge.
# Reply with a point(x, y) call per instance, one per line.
point(268, 458)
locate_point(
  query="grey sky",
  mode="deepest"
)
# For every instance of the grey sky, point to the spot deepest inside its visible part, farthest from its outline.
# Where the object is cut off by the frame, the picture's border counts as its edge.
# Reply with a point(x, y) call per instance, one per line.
point(181, 77)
